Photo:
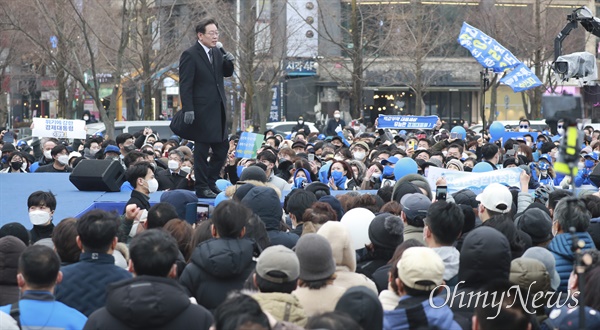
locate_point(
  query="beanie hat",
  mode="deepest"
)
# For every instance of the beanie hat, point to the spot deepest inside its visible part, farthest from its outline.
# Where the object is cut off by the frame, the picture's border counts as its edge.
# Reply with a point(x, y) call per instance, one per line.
point(334, 203)
point(537, 224)
point(386, 231)
point(253, 173)
point(315, 257)
point(17, 230)
point(466, 197)
point(419, 181)
point(402, 189)
point(8, 147)
point(456, 163)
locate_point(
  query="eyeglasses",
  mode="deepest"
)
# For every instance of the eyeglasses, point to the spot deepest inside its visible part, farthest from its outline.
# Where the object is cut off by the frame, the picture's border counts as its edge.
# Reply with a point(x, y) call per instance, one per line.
point(559, 126)
point(524, 126)
point(213, 33)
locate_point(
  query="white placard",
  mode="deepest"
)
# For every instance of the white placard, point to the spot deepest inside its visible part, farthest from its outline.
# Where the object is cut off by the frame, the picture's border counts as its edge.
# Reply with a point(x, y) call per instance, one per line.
point(58, 128)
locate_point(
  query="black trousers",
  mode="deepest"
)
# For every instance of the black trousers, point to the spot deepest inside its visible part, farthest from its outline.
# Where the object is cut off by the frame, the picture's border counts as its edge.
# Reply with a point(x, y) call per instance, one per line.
point(207, 172)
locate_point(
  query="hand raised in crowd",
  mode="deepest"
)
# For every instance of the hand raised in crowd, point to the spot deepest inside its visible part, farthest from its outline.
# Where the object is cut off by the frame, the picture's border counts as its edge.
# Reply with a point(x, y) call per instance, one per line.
point(441, 181)
point(232, 146)
point(132, 212)
point(410, 152)
point(369, 172)
point(231, 158)
point(524, 179)
point(332, 184)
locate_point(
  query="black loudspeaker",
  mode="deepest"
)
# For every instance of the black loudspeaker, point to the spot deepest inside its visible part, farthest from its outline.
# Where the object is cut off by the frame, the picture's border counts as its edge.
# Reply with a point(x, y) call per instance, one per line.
point(98, 175)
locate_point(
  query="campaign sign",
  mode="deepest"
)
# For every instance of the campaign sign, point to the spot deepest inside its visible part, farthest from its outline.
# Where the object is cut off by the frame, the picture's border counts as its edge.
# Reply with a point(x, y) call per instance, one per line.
point(475, 182)
point(487, 51)
point(58, 128)
point(407, 122)
point(248, 144)
point(521, 79)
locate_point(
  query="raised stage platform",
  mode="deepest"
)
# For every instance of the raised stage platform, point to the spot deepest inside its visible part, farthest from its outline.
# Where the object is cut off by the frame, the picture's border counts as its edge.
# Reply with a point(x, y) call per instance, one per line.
point(70, 202)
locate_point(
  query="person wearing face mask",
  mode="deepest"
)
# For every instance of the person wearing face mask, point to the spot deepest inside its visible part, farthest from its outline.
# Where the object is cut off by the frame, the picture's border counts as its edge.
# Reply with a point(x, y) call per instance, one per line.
point(174, 177)
point(301, 126)
point(91, 148)
point(334, 124)
point(340, 176)
point(47, 145)
point(41, 205)
point(547, 174)
point(560, 128)
point(359, 151)
point(372, 178)
point(60, 154)
point(126, 144)
point(141, 178)
point(583, 175)
point(524, 125)
point(301, 178)
point(387, 175)
point(16, 163)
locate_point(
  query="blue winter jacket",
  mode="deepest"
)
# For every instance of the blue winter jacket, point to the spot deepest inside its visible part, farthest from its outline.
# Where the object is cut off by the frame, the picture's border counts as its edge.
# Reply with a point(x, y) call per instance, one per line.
point(420, 315)
point(84, 283)
point(560, 246)
point(38, 309)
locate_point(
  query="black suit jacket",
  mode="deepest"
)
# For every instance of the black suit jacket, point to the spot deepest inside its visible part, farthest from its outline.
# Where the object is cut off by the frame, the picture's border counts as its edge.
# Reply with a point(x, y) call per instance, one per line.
point(166, 180)
point(201, 90)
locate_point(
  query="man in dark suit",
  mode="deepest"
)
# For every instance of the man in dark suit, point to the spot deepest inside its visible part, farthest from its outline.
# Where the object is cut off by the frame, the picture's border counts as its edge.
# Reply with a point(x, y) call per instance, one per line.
point(174, 177)
point(201, 71)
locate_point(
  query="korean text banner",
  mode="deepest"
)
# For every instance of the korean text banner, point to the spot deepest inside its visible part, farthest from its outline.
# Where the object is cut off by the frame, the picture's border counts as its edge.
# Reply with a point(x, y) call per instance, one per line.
point(521, 79)
point(58, 128)
point(248, 144)
point(487, 51)
point(407, 122)
point(476, 182)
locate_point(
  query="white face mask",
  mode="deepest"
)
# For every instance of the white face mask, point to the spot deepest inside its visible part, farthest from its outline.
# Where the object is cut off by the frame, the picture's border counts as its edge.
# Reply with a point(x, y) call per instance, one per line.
point(402, 147)
point(523, 130)
point(561, 131)
point(340, 158)
point(39, 217)
point(359, 155)
point(186, 169)
point(300, 122)
point(24, 166)
point(48, 154)
point(86, 118)
point(94, 151)
point(376, 175)
point(445, 153)
point(63, 159)
point(337, 116)
point(152, 185)
point(173, 165)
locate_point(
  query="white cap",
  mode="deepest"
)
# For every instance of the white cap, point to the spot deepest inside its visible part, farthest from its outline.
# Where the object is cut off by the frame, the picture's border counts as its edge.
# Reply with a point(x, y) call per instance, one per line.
point(496, 197)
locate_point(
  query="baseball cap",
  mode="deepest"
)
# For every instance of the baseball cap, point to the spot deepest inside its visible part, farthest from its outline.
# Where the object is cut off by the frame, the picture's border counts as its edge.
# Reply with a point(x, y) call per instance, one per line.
point(415, 204)
point(592, 155)
point(586, 150)
point(278, 258)
point(299, 144)
point(421, 268)
point(496, 197)
point(112, 148)
point(391, 160)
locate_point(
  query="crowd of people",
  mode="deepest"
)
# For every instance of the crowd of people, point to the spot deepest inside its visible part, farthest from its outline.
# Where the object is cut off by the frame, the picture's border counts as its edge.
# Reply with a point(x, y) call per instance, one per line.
point(387, 253)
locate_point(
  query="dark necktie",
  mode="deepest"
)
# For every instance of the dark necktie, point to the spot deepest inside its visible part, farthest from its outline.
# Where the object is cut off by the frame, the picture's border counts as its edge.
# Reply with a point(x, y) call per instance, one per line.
point(210, 55)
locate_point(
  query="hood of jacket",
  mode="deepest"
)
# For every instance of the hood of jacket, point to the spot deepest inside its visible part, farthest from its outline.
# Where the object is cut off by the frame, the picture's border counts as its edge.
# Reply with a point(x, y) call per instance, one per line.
point(283, 306)
point(341, 244)
point(529, 273)
point(364, 306)
point(265, 203)
point(485, 256)
point(451, 258)
point(10, 250)
point(224, 257)
point(146, 301)
point(561, 244)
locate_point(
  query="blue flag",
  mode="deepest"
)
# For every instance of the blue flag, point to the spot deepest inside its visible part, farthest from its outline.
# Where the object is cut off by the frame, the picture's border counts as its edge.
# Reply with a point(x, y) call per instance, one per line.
point(487, 51)
point(521, 79)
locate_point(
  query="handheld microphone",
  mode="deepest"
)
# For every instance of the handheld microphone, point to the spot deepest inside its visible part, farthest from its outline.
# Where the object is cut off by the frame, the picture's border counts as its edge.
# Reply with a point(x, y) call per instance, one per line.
point(220, 46)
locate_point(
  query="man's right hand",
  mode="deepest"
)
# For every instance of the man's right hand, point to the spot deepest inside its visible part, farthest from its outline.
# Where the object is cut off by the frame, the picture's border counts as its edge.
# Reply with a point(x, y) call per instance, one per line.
point(188, 117)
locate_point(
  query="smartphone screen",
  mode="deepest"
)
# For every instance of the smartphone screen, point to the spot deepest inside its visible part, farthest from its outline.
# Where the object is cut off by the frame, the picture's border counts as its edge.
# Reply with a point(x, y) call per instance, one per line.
point(202, 212)
point(311, 157)
point(441, 193)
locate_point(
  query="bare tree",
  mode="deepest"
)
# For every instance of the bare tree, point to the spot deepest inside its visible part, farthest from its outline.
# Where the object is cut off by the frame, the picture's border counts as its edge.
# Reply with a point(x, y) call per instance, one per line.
point(422, 33)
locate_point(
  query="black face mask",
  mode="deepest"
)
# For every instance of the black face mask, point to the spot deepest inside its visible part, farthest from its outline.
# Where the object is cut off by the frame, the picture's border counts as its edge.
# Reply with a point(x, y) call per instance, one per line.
point(129, 148)
point(468, 169)
point(16, 165)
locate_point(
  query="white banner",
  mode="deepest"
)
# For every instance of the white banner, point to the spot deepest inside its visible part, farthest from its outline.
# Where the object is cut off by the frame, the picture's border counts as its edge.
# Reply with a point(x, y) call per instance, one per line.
point(476, 182)
point(58, 128)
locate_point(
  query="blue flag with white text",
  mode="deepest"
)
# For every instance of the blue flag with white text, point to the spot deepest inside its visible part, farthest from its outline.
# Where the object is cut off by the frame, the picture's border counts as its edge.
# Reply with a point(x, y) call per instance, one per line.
point(521, 79)
point(487, 51)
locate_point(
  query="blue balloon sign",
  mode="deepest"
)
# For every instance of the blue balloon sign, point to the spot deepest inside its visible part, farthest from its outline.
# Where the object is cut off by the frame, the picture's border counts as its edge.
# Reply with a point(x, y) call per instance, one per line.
point(405, 166)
